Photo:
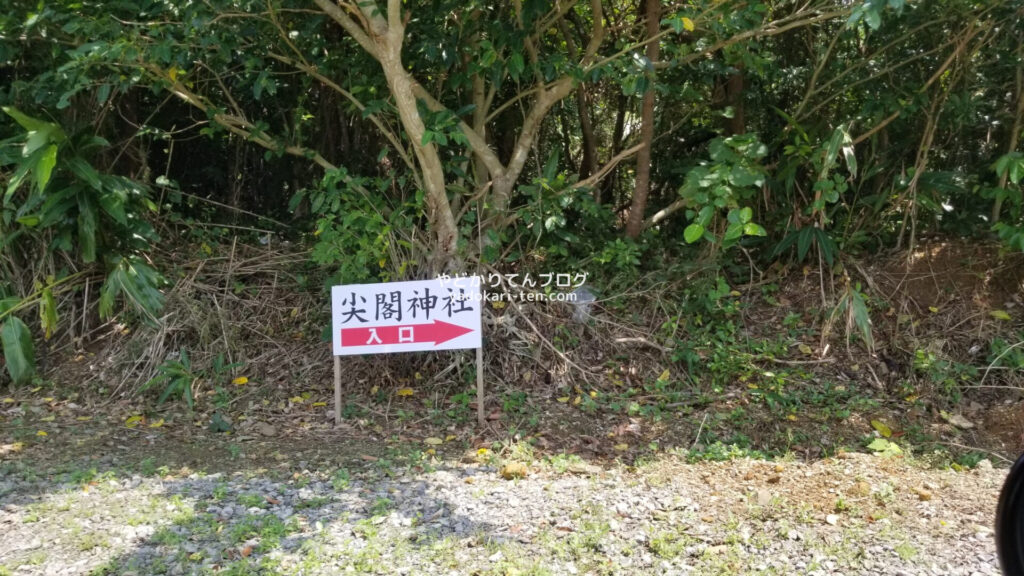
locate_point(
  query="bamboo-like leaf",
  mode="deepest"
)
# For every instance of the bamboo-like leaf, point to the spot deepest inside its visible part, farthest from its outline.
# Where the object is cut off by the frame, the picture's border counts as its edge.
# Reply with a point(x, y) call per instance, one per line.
point(18, 351)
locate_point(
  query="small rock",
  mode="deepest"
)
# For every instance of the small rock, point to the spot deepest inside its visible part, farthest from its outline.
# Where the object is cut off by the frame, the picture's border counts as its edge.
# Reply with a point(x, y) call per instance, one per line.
point(774, 479)
point(832, 519)
point(266, 429)
point(922, 494)
point(764, 497)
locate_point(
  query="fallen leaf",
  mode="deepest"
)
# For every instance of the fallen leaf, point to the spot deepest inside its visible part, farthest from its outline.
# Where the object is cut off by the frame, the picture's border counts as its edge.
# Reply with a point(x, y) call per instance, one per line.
point(884, 430)
point(664, 376)
point(404, 392)
point(563, 399)
point(513, 470)
point(245, 552)
point(272, 501)
point(156, 423)
point(240, 381)
point(296, 399)
point(922, 494)
point(805, 349)
point(433, 441)
point(957, 420)
point(1000, 315)
point(621, 447)
point(84, 418)
point(41, 433)
point(133, 421)
point(319, 404)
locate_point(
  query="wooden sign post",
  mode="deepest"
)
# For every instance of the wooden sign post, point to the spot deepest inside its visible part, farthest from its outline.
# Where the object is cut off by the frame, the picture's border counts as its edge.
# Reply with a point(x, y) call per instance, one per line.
point(438, 314)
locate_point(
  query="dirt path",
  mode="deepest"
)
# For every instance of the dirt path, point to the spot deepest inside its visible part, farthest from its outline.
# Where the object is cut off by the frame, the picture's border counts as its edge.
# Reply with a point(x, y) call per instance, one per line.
point(856, 514)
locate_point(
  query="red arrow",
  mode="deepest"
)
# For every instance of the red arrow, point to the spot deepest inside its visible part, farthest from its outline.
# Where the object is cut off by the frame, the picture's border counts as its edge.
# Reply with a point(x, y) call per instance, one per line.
point(436, 332)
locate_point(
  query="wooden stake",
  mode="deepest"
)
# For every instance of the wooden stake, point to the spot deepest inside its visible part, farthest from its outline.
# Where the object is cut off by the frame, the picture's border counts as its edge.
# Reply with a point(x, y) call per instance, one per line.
point(337, 390)
point(480, 417)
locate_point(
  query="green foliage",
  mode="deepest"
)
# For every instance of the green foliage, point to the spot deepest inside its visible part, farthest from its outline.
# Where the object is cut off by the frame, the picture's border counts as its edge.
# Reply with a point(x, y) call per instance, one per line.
point(725, 184)
point(17, 348)
point(177, 378)
point(363, 238)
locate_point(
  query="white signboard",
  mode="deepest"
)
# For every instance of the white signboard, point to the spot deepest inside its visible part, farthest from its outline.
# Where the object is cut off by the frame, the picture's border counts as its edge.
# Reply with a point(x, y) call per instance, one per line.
point(439, 314)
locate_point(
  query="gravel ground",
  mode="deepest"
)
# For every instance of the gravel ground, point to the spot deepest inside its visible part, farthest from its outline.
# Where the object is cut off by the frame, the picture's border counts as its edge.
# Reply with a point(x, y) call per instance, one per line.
point(857, 514)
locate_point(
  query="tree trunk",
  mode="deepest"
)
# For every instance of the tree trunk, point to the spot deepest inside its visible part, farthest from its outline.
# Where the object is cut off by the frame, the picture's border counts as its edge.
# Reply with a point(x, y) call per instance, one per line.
point(588, 164)
point(1015, 129)
point(734, 98)
point(635, 223)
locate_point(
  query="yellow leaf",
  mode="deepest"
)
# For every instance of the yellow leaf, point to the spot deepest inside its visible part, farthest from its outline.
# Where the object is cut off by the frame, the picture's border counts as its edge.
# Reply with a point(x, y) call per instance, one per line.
point(497, 304)
point(688, 24)
point(156, 423)
point(482, 451)
point(593, 393)
point(240, 381)
point(418, 376)
point(576, 401)
point(84, 418)
point(431, 451)
point(375, 389)
point(48, 399)
point(664, 376)
point(41, 433)
point(933, 309)
point(805, 349)
point(791, 417)
point(563, 399)
point(296, 399)
point(433, 441)
point(1000, 315)
point(8, 400)
point(912, 398)
point(404, 392)
point(36, 389)
point(48, 418)
point(449, 438)
point(319, 404)
point(884, 430)
point(734, 293)
point(621, 447)
point(173, 73)
point(133, 421)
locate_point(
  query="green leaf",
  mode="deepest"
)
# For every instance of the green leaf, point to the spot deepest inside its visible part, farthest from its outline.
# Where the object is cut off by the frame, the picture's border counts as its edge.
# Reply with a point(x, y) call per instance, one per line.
point(18, 351)
point(746, 213)
point(87, 223)
point(27, 122)
point(48, 312)
point(44, 168)
point(751, 229)
point(733, 232)
point(693, 233)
